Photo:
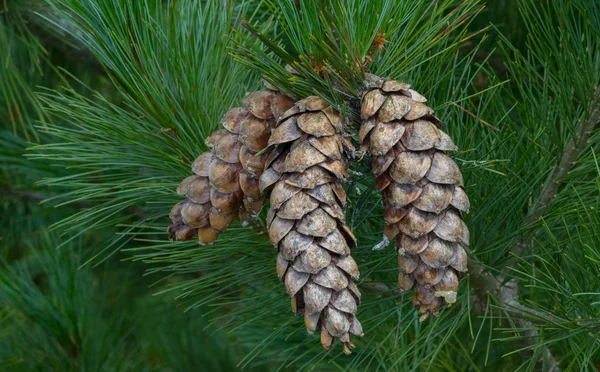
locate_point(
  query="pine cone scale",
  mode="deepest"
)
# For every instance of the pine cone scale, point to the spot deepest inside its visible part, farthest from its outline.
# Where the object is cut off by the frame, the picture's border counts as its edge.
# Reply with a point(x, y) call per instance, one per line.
point(308, 226)
point(226, 180)
point(303, 159)
point(422, 190)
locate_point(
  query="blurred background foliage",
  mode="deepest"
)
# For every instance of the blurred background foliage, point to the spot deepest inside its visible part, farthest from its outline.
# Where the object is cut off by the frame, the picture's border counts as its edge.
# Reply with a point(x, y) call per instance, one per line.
point(104, 105)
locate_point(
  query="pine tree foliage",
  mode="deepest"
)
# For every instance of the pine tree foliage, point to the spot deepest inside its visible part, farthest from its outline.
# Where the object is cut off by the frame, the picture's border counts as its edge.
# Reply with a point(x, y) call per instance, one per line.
point(56, 313)
point(331, 50)
point(56, 316)
point(520, 99)
point(154, 114)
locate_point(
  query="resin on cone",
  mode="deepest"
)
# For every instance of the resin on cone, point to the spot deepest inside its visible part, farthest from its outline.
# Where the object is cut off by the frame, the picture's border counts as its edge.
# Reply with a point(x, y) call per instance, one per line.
point(226, 179)
point(306, 220)
point(422, 191)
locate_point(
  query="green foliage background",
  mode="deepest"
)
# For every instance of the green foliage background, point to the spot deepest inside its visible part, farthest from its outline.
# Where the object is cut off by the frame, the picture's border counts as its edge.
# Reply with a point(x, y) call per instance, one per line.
point(104, 105)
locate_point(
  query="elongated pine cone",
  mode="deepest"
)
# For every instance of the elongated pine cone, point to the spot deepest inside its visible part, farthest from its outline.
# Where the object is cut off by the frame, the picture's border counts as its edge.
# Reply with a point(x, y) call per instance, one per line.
point(226, 178)
point(306, 220)
point(422, 191)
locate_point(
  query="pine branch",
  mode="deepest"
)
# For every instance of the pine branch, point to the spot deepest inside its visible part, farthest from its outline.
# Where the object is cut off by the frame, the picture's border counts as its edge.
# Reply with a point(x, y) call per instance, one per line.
point(381, 289)
point(114, 146)
point(570, 154)
point(509, 295)
point(509, 301)
point(485, 283)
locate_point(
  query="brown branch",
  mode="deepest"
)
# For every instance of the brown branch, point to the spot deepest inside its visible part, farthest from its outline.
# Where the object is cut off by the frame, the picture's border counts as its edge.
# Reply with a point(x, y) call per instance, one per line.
point(509, 295)
point(486, 284)
point(509, 301)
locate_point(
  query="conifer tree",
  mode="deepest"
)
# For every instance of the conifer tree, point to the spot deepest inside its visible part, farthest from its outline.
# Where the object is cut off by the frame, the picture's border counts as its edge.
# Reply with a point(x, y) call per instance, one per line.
point(106, 105)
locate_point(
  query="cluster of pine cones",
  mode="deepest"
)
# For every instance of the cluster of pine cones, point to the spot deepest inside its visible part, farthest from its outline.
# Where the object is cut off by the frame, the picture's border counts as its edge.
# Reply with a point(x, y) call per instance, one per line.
point(297, 153)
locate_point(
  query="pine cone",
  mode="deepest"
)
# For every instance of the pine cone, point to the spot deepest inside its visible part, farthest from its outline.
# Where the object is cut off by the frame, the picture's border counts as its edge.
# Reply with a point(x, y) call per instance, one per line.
point(306, 220)
point(422, 191)
point(226, 179)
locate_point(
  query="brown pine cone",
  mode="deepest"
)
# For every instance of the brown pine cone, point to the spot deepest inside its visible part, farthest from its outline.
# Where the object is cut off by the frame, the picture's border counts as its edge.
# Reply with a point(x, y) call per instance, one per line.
point(226, 179)
point(306, 220)
point(422, 190)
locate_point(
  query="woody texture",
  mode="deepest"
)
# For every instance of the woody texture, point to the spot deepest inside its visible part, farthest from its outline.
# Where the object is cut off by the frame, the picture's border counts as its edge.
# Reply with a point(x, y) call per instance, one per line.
point(306, 220)
point(297, 155)
point(225, 180)
point(422, 190)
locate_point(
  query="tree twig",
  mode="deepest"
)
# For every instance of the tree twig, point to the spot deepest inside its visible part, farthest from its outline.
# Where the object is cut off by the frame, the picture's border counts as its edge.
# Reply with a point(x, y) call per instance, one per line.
point(381, 289)
point(509, 295)
point(486, 284)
